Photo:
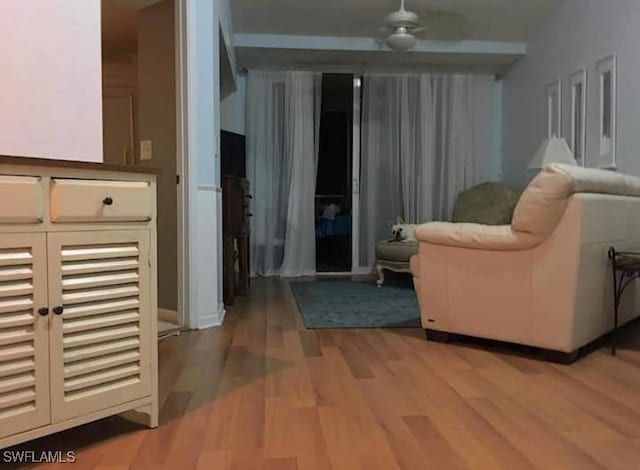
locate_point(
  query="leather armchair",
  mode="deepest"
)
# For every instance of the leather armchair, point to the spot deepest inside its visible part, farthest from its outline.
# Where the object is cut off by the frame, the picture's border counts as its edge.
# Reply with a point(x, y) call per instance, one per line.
point(544, 280)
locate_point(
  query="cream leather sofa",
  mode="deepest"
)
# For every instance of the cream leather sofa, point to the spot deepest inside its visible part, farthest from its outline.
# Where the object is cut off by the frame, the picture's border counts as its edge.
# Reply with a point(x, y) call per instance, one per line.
point(545, 280)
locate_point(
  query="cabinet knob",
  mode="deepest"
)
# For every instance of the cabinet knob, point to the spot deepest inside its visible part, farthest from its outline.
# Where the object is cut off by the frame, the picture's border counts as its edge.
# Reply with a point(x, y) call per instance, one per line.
point(249, 215)
point(44, 311)
point(107, 201)
point(58, 310)
point(249, 196)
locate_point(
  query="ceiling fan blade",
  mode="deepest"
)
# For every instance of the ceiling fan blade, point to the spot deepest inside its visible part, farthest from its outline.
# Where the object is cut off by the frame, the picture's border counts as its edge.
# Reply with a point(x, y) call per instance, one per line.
point(381, 35)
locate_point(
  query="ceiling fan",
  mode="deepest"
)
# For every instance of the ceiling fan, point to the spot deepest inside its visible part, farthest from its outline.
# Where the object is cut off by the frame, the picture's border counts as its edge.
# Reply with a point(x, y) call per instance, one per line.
point(402, 27)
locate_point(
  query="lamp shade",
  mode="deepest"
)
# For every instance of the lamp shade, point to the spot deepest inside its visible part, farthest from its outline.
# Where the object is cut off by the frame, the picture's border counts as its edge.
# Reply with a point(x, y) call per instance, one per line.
point(552, 150)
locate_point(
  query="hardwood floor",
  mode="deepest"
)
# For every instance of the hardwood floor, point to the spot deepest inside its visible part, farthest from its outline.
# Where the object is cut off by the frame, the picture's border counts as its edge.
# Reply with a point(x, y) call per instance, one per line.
point(264, 393)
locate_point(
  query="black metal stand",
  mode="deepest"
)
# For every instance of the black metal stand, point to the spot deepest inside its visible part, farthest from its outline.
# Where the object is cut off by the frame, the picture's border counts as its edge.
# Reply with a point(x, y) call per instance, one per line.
point(625, 268)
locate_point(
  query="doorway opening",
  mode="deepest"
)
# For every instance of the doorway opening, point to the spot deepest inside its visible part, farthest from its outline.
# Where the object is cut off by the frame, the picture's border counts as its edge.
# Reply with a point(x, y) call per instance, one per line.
point(140, 122)
point(334, 214)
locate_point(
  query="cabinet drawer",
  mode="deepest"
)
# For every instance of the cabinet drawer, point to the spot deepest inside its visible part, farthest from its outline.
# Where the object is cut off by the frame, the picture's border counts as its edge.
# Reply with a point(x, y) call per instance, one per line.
point(21, 200)
point(75, 200)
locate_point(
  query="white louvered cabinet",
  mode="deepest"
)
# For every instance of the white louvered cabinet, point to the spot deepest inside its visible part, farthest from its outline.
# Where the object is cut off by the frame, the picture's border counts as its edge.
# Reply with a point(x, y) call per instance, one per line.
point(99, 356)
point(78, 298)
point(24, 336)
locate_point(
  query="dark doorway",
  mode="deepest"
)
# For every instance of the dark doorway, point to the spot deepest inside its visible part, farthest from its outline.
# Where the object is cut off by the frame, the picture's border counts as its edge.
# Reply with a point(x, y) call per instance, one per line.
point(333, 185)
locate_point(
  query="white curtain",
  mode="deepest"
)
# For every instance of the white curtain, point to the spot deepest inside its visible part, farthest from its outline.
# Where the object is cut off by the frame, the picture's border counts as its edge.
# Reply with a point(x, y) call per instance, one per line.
point(424, 139)
point(283, 116)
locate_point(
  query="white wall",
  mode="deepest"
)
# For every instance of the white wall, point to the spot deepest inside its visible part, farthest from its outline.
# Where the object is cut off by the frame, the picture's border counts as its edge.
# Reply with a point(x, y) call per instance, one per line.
point(203, 220)
point(578, 34)
point(157, 122)
point(50, 84)
point(225, 19)
point(119, 76)
point(233, 108)
point(119, 85)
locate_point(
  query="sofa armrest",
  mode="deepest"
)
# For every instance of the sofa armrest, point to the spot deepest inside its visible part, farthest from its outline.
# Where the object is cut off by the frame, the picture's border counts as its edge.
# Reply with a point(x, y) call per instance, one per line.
point(476, 236)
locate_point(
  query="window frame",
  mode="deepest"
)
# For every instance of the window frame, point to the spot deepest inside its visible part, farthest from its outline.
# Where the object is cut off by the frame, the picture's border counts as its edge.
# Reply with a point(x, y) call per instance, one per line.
point(576, 79)
point(607, 143)
point(554, 90)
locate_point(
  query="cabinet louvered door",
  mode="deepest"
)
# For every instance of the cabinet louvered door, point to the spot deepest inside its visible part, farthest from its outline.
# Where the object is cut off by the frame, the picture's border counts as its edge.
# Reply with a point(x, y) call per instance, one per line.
point(100, 343)
point(24, 333)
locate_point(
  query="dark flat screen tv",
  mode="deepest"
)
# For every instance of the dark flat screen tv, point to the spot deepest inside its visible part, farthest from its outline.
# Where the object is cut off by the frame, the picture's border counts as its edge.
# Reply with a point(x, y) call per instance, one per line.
point(233, 154)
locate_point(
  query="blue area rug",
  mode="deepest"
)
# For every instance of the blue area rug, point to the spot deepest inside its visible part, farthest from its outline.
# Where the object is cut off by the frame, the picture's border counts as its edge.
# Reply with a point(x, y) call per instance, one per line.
point(349, 304)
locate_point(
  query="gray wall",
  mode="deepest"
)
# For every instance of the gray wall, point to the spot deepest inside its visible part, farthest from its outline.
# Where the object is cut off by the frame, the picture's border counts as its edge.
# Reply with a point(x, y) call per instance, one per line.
point(233, 108)
point(577, 35)
point(157, 122)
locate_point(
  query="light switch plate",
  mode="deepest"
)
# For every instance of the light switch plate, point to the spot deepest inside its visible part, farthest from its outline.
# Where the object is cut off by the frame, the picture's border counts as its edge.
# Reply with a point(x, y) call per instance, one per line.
point(146, 150)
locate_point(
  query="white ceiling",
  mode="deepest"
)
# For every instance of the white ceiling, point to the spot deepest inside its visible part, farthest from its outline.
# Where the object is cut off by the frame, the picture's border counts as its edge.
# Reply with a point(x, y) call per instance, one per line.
point(483, 20)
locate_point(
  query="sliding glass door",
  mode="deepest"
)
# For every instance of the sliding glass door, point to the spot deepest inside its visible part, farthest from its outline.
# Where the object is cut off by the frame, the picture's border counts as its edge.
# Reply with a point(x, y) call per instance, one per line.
point(355, 180)
point(333, 196)
point(338, 176)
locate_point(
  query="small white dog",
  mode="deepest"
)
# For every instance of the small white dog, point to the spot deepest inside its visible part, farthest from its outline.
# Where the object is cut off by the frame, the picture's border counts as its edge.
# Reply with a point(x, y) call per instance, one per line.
point(403, 232)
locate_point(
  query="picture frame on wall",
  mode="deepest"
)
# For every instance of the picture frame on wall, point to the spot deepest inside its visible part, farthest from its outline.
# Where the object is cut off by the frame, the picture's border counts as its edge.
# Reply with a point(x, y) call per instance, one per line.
point(607, 112)
point(553, 94)
point(578, 142)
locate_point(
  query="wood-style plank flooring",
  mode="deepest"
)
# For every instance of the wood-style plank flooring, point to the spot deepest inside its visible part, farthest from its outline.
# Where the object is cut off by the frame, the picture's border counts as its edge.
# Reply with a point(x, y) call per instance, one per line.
point(264, 393)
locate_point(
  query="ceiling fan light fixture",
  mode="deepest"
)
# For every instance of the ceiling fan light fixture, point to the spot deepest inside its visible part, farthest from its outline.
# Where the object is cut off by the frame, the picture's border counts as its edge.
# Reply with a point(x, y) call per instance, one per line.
point(401, 18)
point(401, 40)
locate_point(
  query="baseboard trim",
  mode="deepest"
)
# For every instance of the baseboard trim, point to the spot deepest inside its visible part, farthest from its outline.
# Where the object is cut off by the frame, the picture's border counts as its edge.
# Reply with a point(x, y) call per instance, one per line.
point(212, 320)
point(168, 315)
point(363, 271)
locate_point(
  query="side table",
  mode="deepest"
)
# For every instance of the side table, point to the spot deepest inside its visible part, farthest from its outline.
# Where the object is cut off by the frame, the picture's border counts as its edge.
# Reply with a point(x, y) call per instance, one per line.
point(625, 268)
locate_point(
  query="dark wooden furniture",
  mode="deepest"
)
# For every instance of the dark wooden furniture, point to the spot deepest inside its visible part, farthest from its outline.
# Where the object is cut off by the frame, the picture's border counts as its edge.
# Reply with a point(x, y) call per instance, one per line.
point(625, 268)
point(235, 222)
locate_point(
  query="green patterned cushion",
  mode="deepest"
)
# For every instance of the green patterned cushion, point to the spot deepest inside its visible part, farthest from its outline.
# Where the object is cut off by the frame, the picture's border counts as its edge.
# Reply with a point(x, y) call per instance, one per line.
point(396, 251)
point(487, 204)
